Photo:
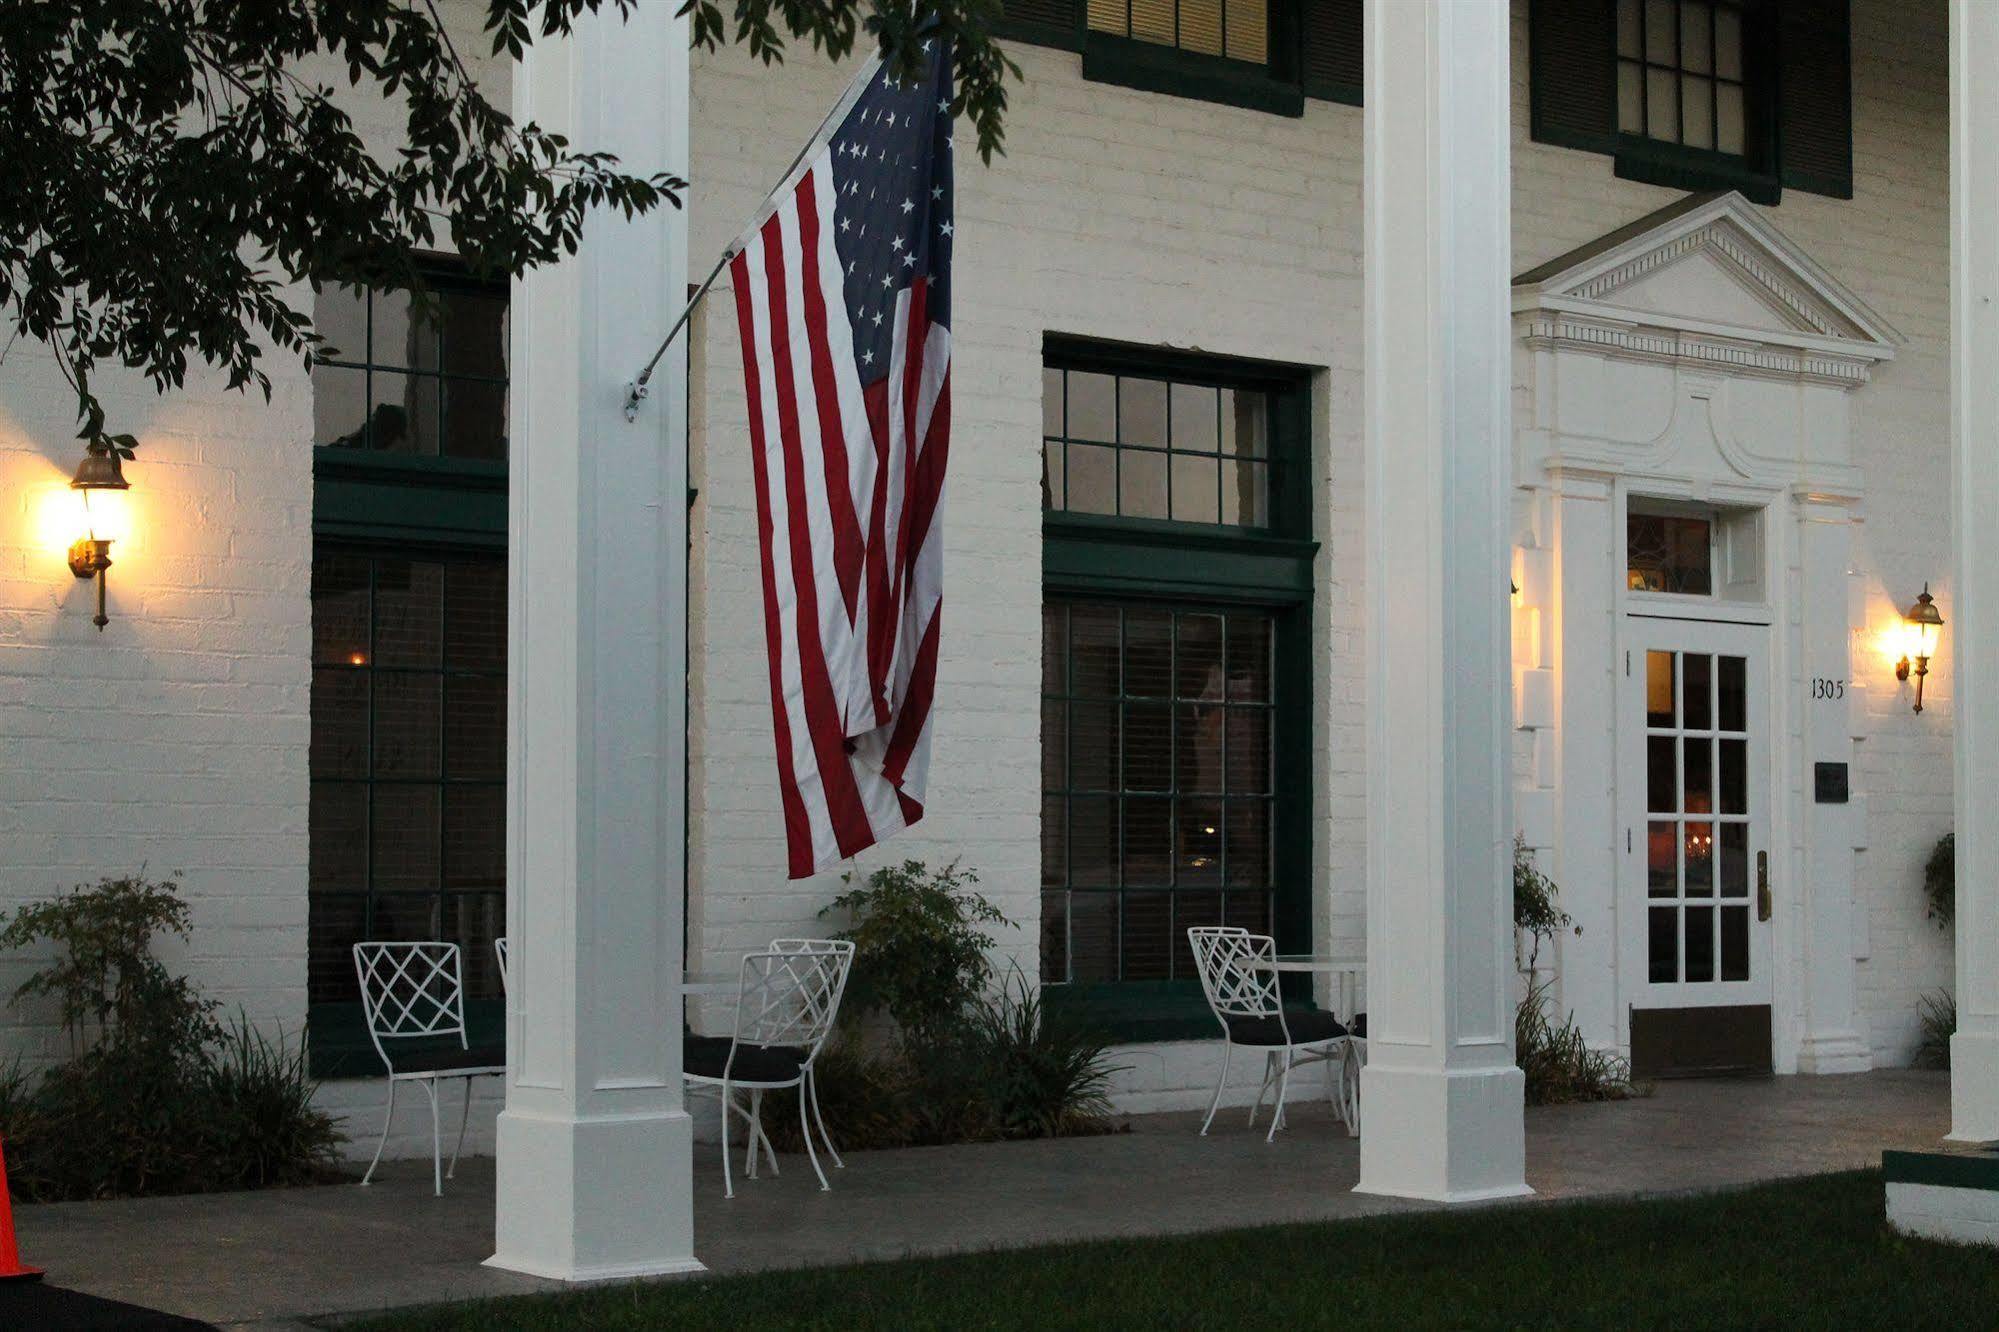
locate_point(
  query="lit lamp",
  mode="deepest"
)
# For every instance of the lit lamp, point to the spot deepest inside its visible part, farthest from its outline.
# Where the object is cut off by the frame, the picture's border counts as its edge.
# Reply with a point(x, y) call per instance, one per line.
point(100, 488)
point(1924, 624)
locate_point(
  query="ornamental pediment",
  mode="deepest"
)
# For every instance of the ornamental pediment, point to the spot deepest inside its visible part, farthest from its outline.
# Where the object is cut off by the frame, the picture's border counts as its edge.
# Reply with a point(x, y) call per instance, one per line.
point(1708, 280)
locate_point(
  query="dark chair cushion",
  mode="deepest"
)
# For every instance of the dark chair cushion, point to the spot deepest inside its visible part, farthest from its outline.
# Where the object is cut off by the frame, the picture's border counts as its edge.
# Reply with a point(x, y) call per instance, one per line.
point(1308, 1027)
point(1360, 1025)
point(424, 1054)
point(707, 1056)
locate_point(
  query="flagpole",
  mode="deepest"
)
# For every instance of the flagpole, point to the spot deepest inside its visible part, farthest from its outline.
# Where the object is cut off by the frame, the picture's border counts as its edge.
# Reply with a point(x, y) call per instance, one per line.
point(636, 391)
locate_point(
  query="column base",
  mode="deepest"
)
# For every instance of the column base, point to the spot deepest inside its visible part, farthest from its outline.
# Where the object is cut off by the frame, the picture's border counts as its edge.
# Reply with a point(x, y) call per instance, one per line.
point(1835, 1052)
point(594, 1198)
point(1443, 1135)
point(1974, 1087)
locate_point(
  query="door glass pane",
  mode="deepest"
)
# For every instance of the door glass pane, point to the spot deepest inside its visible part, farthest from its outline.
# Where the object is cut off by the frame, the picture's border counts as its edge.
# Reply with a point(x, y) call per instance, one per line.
point(1734, 687)
point(1735, 776)
point(1661, 795)
point(1659, 689)
point(1699, 775)
point(1668, 552)
point(1700, 859)
point(1699, 692)
point(1700, 943)
point(1662, 859)
point(1732, 864)
point(1735, 943)
point(1662, 945)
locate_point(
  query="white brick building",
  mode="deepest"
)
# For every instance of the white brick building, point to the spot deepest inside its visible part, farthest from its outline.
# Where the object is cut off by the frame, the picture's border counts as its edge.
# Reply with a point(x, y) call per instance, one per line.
point(1762, 388)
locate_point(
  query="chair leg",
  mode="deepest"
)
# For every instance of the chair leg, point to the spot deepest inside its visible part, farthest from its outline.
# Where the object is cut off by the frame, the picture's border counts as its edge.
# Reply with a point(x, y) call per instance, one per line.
point(429, 1086)
point(387, 1115)
point(811, 1153)
point(728, 1104)
point(755, 1131)
point(1269, 1072)
point(1277, 1111)
point(1350, 1088)
point(1228, 1052)
point(464, 1113)
point(812, 1078)
point(770, 1152)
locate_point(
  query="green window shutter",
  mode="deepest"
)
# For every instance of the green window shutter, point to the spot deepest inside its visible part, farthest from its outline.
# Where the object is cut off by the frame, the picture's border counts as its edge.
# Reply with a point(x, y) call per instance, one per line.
point(1044, 22)
point(1330, 57)
point(1572, 73)
point(1815, 97)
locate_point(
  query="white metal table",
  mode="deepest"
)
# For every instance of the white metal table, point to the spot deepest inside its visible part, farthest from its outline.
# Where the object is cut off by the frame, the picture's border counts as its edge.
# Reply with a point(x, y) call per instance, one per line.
point(1348, 972)
point(710, 982)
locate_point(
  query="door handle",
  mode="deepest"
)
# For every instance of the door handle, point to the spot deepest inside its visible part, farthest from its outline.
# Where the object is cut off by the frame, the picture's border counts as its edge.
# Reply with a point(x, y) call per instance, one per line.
point(1762, 885)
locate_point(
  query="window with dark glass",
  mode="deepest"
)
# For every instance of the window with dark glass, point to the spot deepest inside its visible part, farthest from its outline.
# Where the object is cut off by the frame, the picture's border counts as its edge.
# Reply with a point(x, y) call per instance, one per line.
point(1668, 552)
point(1176, 697)
point(407, 816)
point(1680, 73)
point(1231, 29)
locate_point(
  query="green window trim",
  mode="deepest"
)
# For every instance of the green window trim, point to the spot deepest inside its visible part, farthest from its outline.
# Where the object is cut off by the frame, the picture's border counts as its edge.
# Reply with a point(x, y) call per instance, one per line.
point(1161, 562)
point(1151, 67)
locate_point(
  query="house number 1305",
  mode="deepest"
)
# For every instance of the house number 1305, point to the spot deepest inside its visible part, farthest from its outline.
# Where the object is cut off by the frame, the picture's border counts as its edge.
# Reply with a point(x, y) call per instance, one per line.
point(1824, 688)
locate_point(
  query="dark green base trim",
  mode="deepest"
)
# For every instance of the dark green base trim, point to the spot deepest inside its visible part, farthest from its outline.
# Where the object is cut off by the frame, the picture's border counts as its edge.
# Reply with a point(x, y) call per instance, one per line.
point(384, 497)
point(1976, 1168)
point(1164, 69)
point(1144, 1012)
point(1663, 165)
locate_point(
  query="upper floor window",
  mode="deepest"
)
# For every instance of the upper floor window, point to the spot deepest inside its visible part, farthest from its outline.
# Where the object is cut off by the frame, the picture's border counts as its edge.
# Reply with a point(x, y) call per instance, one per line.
point(403, 377)
point(1751, 95)
point(1681, 73)
point(1232, 29)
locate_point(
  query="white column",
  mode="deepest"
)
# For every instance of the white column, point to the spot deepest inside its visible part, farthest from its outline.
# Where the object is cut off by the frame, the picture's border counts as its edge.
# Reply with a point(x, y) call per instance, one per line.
point(1441, 1097)
point(595, 1144)
point(1972, 636)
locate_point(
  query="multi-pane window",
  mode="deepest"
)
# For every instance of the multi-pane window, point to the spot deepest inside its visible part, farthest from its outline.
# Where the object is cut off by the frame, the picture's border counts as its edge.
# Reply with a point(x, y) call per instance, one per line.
point(403, 380)
point(1232, 29)
point(1681, 76)
point(1139, 446)
point(1697, 825)
point(408, 757)
point(1157, 727)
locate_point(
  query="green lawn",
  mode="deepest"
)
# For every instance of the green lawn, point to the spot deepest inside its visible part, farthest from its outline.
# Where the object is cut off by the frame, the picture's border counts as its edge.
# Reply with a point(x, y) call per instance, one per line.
point(1801, 1254)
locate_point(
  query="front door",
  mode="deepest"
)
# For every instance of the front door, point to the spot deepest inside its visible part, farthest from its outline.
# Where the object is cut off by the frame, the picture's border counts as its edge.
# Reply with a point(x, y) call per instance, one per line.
point(1694, 904)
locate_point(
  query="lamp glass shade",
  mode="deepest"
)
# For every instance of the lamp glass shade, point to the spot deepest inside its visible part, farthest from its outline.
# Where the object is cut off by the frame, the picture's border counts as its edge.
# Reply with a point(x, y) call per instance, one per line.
point(102, 515)
point(1924, 622)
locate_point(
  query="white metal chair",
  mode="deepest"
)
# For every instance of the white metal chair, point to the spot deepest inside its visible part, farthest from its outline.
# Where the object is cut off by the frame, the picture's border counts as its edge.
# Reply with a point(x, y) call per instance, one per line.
point(812, 1069)
point(1245, 1001)
point(413, 994)
point(500, 951)
point(786, 1001)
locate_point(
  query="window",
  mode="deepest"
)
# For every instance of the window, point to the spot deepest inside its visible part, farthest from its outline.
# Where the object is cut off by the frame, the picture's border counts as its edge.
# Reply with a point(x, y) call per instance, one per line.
point(401, 381)
point(407, 817)
point(1669, 553)
point(1176, 680)
point(1680, 73)
point(1268, 55)
point(1754, 95)
point(1156, 784)
point(1231, 29)
point(1138, 446)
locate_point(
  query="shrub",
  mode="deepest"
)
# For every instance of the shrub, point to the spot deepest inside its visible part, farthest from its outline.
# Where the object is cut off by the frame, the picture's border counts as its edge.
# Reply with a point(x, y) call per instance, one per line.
point(1940, 881)
point(1937, 1016)
point(1014, 1068)
point(1534, 906)
point(1559, 1064)
point(919, 951)
point(157, 1097)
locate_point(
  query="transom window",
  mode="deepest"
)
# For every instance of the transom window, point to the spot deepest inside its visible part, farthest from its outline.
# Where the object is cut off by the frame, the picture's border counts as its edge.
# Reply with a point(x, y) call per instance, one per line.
point(1157, 790)
point(1232, 29)
point(408, 758)
point(1666, 552)
point(1697, 829)
point(398, 379)
point(1680, 73)
point(1140, 446)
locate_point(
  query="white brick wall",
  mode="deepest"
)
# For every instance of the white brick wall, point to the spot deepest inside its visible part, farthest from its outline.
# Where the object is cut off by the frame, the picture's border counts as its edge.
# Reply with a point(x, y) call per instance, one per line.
point(178, 737)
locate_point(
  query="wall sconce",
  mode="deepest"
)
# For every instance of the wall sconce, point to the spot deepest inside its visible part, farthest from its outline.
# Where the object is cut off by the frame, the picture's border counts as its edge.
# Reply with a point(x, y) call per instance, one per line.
point(1924, 623)
point(100, 487)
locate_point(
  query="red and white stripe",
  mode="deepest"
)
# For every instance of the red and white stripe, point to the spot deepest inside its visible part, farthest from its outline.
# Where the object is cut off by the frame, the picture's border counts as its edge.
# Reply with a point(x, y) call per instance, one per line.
point(849, 484)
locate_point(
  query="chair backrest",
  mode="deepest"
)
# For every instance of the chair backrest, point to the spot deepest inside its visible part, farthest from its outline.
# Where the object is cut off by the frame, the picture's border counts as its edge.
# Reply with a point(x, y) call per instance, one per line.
point(791, 995)
point(500, 951)
point(1226, 956)
point(410, 989)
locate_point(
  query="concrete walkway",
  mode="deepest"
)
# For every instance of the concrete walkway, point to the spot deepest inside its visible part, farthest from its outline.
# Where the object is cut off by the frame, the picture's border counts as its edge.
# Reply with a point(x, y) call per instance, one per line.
point(271, 1259)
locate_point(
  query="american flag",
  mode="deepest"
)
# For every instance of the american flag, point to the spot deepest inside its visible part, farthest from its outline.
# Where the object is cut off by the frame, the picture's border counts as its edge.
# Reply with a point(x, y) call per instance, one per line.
point(843, 299)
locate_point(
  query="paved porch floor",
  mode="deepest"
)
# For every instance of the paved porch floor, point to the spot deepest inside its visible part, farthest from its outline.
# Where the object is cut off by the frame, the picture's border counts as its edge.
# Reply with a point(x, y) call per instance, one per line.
point(268, 1259)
